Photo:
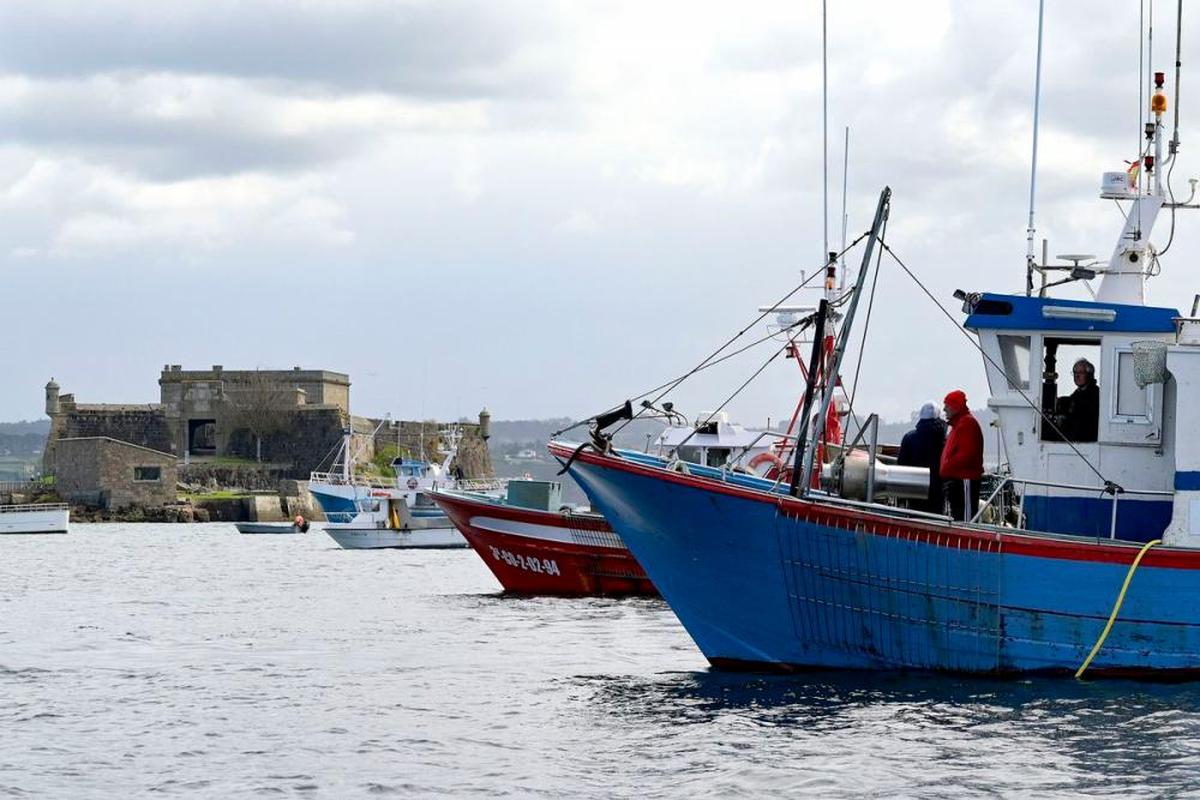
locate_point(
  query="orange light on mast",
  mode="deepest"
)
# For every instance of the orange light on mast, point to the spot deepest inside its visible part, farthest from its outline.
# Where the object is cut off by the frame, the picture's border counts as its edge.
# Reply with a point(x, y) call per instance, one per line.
point(1158, 101)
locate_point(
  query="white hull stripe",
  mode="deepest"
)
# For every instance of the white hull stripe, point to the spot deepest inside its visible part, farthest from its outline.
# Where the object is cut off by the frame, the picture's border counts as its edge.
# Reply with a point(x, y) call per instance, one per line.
point(549, 533)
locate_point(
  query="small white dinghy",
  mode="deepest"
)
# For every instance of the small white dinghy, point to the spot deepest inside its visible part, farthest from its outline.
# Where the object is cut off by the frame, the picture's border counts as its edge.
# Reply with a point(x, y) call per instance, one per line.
point(299, 525)
point(35, 518)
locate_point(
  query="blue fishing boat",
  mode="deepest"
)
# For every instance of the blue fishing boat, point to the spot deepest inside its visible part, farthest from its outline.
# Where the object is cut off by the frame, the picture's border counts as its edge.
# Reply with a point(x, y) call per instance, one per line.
point(1084, 556)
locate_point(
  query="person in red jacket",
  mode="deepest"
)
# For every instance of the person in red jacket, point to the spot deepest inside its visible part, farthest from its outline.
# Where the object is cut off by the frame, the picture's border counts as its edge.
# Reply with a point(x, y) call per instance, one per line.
point(962, 458)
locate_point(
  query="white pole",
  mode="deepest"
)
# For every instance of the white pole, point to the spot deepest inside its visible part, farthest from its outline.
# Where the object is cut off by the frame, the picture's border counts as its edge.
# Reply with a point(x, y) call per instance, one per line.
point(1031, 230)
point(845, 218)
point(825, 123)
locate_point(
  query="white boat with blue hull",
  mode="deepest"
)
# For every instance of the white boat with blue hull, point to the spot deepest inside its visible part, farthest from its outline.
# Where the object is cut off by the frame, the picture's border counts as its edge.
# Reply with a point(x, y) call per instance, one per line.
point(30, 518)
point(373, 513)
point(384, 524)
point(342, 493)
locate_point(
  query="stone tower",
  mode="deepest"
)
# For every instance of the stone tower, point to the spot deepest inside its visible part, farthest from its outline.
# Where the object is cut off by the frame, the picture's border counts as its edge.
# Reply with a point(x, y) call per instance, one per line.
point(52, 405)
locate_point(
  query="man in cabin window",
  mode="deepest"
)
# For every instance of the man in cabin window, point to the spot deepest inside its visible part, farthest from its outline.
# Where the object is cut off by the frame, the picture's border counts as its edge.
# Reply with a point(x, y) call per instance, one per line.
point(922, 447)
point(1082, 413)
point(962, 459)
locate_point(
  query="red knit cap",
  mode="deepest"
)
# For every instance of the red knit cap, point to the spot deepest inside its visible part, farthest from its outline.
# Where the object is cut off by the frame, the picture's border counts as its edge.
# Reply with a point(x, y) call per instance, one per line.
point(956, 400)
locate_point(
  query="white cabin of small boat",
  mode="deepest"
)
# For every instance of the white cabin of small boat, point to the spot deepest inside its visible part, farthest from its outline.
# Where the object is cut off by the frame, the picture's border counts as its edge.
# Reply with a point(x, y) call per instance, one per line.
point(713, 440)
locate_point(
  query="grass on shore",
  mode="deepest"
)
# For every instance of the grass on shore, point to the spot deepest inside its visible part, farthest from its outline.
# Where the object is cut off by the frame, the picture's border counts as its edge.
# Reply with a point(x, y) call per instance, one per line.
point(195, 497)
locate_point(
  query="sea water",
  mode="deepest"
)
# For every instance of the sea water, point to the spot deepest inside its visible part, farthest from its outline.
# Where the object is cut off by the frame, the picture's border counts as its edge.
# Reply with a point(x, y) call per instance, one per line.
point(190, 660)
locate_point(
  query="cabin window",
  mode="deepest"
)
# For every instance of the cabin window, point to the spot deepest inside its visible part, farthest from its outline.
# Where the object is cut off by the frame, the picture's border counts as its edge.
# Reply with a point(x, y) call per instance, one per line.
point(692, 455)
point(147, 473)
point(1070, 389)
point(1132, 401)
point(717, 456)
point(1014, 353)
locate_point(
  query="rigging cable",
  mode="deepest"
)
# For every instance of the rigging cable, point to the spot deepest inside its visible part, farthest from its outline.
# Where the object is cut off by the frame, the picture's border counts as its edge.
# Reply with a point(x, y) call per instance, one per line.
point(729, 399)
point(797, 326)
point(674, 384)
point(756, 320)
point(1110, 487)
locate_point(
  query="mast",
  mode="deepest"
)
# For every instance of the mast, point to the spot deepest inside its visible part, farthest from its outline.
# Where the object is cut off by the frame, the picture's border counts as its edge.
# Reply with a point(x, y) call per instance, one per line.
point(825, 124)
point(834, 363)
point(1031, 229)
point(845, 218)
point(1124, 279)
point(346, 452)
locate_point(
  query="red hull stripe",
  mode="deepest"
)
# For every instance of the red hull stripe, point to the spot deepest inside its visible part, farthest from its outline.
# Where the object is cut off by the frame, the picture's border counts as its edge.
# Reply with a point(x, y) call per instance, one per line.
point(935, 533)
point(535, 566)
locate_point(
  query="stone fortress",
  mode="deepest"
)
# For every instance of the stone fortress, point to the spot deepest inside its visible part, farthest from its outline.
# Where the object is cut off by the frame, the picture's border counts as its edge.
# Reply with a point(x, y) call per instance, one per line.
point(298, 414)
point(249, 429)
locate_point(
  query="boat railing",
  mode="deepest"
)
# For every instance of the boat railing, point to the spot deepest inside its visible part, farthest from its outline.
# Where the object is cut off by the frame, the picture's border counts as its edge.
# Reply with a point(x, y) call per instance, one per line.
point(997, 497)
point(338, 479)
point(12, 509)
point(785, 438)
point(482, 484)
point(20, 486)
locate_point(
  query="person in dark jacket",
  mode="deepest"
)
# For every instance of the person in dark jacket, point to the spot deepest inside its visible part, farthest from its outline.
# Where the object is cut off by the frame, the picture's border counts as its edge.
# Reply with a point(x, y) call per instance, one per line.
point(922, 447)
point(962, 458)
point(1083, 405)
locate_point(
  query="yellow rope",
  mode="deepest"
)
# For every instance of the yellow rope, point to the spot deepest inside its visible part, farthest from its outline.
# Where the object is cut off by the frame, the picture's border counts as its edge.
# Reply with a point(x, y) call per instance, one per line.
point(1116, 607)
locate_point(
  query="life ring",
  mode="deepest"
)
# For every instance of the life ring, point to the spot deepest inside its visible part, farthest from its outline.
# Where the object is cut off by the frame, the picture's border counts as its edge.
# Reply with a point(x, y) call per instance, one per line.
point(412, 483)
point(775, 466)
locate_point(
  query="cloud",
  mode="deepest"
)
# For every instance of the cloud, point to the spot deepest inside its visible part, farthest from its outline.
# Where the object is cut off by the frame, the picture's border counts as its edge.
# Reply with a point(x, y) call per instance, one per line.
point(173, 126)
point(85, 212)
point(579, 223)
point(521, 152)
point(444, 49)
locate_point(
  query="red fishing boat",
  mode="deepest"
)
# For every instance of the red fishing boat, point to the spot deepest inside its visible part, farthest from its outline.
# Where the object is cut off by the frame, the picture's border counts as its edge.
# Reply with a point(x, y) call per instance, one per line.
point(534, 545)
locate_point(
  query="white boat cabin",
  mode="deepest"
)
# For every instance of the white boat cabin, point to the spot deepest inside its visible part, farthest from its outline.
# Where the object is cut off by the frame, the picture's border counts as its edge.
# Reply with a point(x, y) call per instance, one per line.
point(1033, 347)
point(713, 440)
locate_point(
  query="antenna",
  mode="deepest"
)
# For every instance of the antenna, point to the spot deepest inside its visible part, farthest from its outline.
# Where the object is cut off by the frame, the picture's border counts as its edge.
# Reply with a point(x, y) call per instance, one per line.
point(1173, 148)
point(825, 122)
point(845, 218)
point(1031, 230)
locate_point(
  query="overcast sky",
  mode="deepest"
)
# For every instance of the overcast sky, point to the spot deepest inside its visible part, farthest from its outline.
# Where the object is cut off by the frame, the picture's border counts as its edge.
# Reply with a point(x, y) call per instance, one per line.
point(542, 207)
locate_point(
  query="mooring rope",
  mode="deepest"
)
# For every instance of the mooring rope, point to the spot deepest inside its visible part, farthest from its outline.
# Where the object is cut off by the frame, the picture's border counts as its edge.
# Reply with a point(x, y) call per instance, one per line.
point(1116, 607)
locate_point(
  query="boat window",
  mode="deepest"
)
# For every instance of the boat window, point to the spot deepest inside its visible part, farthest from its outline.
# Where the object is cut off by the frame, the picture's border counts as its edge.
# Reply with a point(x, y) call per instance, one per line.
point(690, 454)
point(716, 456)
point(1014, 351)
point(1071, 389)
point(999, 308)
point(1132, 401)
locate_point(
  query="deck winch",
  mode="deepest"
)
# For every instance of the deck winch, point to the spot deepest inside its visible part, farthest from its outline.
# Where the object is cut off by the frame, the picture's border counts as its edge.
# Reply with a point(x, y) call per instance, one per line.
point(855, 477)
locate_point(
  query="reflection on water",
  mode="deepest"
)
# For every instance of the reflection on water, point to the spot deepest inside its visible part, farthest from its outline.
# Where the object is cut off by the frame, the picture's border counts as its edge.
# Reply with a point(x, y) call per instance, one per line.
point(925, 732)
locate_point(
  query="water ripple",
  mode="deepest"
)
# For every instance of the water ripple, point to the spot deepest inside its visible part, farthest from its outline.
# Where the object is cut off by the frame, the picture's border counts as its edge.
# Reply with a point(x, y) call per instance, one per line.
point(189, 660)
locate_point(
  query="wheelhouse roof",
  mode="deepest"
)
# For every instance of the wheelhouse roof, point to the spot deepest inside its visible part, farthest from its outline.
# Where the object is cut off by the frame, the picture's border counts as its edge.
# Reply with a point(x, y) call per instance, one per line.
point(1018, 312)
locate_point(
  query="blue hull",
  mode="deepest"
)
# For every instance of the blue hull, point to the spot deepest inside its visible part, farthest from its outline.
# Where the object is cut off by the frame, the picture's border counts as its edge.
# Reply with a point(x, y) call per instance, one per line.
point(763, 581)
point(337, 507)
point(332, 503)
